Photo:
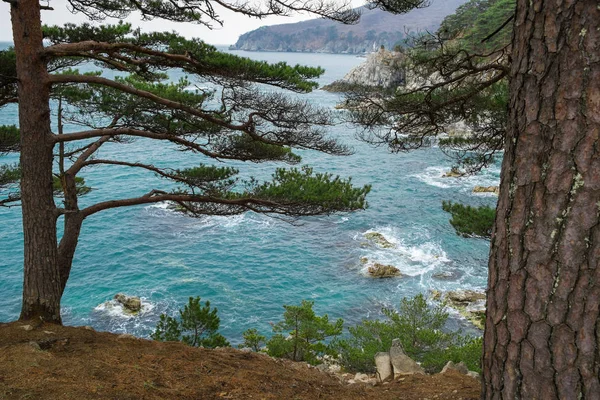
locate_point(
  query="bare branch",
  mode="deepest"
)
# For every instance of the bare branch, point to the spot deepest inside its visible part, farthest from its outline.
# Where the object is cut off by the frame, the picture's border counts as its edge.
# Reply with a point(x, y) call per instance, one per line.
point(157, 196)
point(148, 167)
point(80, 163)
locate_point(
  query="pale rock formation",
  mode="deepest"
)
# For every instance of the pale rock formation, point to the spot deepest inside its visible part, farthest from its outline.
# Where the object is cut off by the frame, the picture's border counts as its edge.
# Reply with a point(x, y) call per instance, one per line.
point(402, 363)
point(383, 364)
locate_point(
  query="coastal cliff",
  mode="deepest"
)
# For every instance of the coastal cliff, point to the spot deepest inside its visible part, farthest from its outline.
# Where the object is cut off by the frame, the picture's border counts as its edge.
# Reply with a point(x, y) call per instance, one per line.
point(376, 28)
point(382, 68)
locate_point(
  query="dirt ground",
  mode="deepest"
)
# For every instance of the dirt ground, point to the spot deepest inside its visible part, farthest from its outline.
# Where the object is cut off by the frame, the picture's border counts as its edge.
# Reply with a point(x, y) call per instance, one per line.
point(55, 362)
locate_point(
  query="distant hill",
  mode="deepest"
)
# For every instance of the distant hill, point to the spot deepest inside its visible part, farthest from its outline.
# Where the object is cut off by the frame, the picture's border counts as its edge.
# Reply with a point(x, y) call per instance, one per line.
point(375, 28)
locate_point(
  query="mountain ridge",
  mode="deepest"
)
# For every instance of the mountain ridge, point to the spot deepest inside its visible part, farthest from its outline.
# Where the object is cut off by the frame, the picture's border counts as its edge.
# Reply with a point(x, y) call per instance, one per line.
point(376, 28)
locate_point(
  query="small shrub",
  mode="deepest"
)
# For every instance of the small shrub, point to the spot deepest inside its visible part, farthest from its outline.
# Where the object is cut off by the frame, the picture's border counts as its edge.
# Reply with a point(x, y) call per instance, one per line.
point(197, 326)
point(420, 330)
point(471, 221)
point(252, 340)
point(301, 334)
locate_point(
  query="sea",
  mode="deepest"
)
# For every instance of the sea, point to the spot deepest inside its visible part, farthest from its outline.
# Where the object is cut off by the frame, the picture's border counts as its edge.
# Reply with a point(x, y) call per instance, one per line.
point(249, 266)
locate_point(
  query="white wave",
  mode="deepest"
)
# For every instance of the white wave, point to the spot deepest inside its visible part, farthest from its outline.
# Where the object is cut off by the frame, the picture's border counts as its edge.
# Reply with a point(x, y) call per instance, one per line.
point(162, 205)
point(190, 280)
point(434, 176)
point(410, 258)
point(114, 309)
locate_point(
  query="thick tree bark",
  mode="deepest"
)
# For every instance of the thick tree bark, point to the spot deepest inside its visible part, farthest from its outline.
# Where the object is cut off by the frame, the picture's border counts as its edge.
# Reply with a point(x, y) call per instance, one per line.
point(41, 286)
point(542, 337)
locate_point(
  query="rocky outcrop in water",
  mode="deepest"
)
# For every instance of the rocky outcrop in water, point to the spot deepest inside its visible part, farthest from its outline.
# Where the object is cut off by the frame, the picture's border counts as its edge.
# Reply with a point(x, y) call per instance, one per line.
point(469, 303)
point(131, 304)
point(381, 69)
point(378, 239)
point(383, 271)
point(486, 189)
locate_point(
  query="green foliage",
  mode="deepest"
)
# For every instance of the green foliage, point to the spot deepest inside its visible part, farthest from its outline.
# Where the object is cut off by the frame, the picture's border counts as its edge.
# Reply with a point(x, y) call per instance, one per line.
point(357, 351)
point(477, 19)
point(168, 329)
point(9, 174)
point(318, 192)
point(10, 138)
point(466, 349)
point(80, 186)
point(471, 221)
point(420, 330)
point(8, 75)
point(208, 61)
point(301, 334)
point(252, 339)
point(197, 326)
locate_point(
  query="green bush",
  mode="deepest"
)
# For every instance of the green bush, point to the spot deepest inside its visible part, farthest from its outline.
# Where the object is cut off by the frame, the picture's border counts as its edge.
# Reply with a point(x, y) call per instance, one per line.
point(301, 335)
point(252, 340)
point(471, 221)
point(465, 349)
point(197, 325)
point(357, 351)
point(420, 330)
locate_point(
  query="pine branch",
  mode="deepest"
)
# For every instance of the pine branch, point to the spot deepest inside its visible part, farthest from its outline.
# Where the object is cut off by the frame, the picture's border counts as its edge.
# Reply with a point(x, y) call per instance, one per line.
point(236, 206)
point(203, 12)
point(98, 80)
point(203, 60)
point(68, 137)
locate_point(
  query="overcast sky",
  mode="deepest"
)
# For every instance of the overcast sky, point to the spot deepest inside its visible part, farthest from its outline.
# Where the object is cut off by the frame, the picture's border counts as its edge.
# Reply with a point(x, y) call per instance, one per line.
point(235, 24)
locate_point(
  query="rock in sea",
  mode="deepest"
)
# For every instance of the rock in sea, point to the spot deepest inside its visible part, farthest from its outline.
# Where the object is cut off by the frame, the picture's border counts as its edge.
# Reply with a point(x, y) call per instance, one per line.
point(132, 304)
point(383, 271)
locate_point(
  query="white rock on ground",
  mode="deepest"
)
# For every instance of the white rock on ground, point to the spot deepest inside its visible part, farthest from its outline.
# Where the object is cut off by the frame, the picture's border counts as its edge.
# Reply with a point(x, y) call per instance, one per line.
point(402, 363)
point(383, 364)
point(460, 367)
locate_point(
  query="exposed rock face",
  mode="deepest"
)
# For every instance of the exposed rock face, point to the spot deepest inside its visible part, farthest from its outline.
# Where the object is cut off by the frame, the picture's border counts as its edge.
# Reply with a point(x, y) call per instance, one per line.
point(131, 304)
point(383, 364)
point(464, 297)
point(469, 303)
point(486, 189)
point(383, 271)
point(381, 69)
point(401, 363)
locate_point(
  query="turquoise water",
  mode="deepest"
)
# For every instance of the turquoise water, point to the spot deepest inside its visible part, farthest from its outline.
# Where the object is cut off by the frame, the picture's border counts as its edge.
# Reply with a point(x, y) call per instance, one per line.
point(250, 265)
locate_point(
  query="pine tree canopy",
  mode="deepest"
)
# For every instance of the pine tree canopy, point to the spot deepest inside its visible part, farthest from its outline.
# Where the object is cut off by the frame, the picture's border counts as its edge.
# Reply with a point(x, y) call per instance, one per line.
point(219, 110)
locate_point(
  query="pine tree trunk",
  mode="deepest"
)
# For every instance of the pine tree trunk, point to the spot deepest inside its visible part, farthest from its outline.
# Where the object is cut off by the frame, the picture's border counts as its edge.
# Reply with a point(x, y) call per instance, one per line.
point(542, 337)
point(41, 286)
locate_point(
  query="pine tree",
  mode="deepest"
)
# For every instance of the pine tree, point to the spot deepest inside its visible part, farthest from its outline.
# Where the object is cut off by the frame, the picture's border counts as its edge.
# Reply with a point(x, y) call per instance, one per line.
point(247, 124)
